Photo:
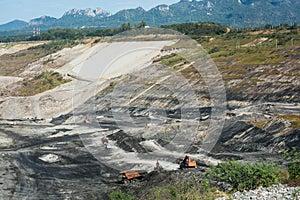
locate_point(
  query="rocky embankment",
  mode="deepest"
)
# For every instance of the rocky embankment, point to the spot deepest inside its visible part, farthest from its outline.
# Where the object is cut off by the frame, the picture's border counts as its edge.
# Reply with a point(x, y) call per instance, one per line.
point(252, 129)
point(278, 192)
point(264, 82)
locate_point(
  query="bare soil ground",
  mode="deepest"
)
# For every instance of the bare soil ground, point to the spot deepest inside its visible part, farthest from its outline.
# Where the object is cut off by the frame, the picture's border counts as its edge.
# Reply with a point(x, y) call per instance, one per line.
point(10, 48)
point(93, 63)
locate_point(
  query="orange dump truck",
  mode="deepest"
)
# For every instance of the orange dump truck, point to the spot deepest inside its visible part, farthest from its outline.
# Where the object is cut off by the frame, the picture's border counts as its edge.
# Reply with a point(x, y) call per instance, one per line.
point(130, 176)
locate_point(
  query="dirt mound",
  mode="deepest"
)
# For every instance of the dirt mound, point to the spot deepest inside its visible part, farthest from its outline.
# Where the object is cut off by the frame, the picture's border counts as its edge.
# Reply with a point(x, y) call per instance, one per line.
point(61, 119)
point(128, 143)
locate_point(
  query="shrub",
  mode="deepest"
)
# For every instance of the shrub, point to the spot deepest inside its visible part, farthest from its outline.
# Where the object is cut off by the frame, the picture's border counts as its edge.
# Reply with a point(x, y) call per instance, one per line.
point(214, 50)
point(119, 195)
point(245, 176)
point(188, 190)
point(296, 193)
point(172, 61)
point(293, 158)
point(40, 83)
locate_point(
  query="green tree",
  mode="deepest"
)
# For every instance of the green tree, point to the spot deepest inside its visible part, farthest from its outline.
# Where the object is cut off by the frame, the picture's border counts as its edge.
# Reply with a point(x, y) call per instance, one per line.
point(142, 24)
point(126, 26)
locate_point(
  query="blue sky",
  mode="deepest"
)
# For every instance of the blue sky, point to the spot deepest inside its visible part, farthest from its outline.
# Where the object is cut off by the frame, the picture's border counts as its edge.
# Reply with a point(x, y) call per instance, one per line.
point(29, 9)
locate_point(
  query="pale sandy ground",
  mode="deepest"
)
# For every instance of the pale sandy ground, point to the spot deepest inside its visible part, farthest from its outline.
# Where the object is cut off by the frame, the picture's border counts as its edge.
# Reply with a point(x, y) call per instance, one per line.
point(7, 80)
point(255, 42)
point(9, 48)
point(97, 64)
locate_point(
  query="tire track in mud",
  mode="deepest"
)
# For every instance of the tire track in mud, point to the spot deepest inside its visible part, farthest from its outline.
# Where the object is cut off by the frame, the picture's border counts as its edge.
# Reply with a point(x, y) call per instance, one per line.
point(76, 174)
point(26, 143)
point(8, 178)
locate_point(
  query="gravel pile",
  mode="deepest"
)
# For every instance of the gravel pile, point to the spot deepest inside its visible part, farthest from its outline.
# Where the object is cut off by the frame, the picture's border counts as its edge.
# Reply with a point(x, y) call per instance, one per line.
point(275, 192)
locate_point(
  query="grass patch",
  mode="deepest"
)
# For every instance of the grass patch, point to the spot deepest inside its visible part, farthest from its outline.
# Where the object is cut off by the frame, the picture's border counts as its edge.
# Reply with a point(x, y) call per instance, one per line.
point(255, 80)
point(257, 56)
point(189, 190)
point(230, 46)
point(259, 124)
point(173, 60)
point(120, 195)
point(293, 118)
point(229, 77)
point(220, 54)
point(112, 85)
point(242, 85)
point(293, 158)
point(250, 55)
point(190, 73)
point(43, 82)
point(234, 69)
point(295, 74)
point(253, 58)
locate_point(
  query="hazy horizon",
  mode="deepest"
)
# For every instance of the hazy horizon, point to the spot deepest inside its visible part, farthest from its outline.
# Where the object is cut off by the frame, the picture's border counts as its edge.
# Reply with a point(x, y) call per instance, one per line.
point(26, 10)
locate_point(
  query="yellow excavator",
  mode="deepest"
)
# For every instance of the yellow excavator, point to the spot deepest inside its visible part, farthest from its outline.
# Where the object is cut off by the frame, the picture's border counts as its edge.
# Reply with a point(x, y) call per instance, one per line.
point(187, 163)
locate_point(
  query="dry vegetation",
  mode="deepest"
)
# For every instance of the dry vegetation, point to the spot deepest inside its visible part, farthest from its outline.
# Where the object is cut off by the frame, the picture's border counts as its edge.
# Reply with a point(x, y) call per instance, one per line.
point(43, 82)
point(293, 119)
point(14, 64)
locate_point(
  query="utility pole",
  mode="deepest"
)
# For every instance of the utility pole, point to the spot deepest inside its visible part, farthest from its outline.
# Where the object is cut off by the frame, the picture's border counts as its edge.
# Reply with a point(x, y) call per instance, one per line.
point(237, 46)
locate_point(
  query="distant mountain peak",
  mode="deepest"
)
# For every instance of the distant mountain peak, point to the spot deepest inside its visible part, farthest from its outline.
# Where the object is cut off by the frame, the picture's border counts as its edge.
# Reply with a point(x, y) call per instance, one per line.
point(100, 11)
point(13, 25)
point(163, 8)
point(42, 21)
point(88, 12)
point(17, 21)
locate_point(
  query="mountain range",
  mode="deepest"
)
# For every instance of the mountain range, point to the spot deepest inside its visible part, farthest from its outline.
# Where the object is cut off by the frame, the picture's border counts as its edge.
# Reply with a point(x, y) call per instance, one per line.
point(233, 13)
